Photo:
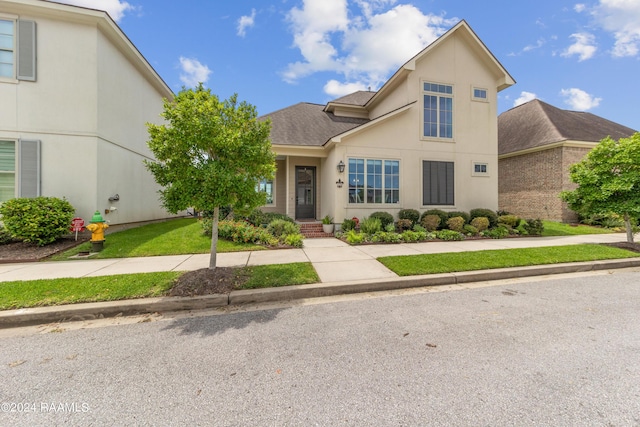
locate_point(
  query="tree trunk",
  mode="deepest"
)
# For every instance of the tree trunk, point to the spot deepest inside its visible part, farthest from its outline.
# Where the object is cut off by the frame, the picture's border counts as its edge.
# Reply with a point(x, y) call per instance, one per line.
point(627, 225)
point(214, 239)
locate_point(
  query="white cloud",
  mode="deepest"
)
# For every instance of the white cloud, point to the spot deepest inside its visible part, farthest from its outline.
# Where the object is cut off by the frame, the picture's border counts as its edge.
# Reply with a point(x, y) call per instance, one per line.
point(538, 45)
point(193, 72)
point(524, 97)
point(579, 100)
point(584, 46)
point(580, 7)
point(337, 89)
point(115, 8)
point(246, 22)
point(622, 19)
point(364, 44)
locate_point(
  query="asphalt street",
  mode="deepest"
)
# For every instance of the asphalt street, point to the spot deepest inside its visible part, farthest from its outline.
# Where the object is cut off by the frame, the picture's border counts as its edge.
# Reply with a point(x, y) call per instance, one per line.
point(562, 351)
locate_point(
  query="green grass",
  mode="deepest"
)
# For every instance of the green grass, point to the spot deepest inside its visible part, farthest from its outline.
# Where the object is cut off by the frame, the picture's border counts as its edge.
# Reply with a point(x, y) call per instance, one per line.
point(38, 293)
point(174, 237)
point(481, 260)
point(552, 228)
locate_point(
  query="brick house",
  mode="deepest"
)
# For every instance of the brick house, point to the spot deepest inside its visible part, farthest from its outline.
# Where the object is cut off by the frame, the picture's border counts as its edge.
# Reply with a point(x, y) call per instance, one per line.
point(537, 143)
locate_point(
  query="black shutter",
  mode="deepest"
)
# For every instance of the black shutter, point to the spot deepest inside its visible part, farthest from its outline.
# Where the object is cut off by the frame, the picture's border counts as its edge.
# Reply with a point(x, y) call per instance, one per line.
point(437, 183)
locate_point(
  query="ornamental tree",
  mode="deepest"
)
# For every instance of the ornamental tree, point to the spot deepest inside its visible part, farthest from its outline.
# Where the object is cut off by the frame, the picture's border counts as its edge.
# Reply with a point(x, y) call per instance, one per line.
point(210, 153)
point(608, 181)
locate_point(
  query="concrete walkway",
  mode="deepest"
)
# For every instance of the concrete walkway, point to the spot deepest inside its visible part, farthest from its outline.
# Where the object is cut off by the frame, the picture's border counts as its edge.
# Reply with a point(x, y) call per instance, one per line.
point(334, 260)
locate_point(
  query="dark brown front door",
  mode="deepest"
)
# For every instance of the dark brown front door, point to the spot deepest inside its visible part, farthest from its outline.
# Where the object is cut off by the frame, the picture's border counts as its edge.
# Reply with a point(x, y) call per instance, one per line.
point(305, 192)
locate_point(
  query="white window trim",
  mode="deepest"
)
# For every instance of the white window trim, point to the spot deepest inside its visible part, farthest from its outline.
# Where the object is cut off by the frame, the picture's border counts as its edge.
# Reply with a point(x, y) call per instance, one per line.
point(14, 18)
point(473, 94)
point(365, 202)
point(481, 174)
point(453, 119)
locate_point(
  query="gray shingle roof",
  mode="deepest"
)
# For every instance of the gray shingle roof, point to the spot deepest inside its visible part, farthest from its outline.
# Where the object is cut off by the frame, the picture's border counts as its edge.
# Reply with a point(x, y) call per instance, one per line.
point(356, 98)
point(308, 125)
point(536, 123)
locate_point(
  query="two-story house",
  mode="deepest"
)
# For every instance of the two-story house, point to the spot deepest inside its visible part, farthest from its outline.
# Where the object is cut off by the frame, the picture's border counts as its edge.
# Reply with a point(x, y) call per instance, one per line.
point(427, 139)
point(75, 95)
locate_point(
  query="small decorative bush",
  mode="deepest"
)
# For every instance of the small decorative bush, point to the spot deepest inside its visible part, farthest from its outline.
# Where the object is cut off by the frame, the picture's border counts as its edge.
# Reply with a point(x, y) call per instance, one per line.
point(41, 220)
point(511, 220)
point(327, 220)
point(430, 222)
point(385, 218)
point(348, 224)
point(470, 229)
point(534, 227)
point(444, 216)
point(410, 236)
point(281, 227)
point(487, 213)
point(390, 228)
point(5, 236)
point(392, 237)
point(410, 214)
point(464, 216)
point(496, 233)
point(420, 229)
point(353, 237)
point(481, 223)
point(370, 225)
point(294, 240)
point(449, 235)
point(404, 224)
point(456, 224)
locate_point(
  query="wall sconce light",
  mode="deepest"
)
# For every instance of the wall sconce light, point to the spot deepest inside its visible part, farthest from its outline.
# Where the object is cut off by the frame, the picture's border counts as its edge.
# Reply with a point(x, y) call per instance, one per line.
point(339, 183)
point(114, 198)
point(341, 166)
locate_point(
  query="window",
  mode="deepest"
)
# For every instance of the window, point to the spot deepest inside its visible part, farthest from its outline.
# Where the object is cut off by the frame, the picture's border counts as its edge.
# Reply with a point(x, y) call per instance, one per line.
point(438, 110)
point(6, 48)
point(7, 170)
point(480, 169)
point(479, 94)
point(18, 49)
point(267, 187)
point(374, 181)
point(437, 183)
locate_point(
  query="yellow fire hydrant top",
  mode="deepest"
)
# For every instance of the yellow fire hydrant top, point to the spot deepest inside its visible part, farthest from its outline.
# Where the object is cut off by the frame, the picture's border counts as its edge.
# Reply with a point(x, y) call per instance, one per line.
point(96, 227)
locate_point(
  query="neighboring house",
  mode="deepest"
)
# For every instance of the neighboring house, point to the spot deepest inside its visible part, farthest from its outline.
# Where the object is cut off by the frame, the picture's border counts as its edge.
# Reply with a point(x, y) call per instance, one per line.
point(75, 95)
point(427, 139)
point(537, 144)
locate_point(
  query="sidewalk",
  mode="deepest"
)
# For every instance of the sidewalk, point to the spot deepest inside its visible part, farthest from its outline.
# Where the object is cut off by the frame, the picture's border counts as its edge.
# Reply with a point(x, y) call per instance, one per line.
point(334, 260)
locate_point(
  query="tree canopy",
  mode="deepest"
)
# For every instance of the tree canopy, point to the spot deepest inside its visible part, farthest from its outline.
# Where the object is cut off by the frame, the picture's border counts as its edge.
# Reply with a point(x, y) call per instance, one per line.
point(210, 153)
point(608, 181)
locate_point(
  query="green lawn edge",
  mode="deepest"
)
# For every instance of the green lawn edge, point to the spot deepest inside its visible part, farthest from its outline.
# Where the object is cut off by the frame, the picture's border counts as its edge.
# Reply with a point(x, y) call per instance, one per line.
point(451, 262)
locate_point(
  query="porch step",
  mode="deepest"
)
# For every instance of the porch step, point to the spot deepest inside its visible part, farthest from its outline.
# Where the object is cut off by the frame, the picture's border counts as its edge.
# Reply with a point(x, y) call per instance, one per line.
point(312, 230)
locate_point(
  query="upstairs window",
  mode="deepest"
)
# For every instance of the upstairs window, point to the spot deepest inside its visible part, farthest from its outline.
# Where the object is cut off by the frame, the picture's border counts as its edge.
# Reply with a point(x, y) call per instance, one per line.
point(438, 110)
point(18, 49)
point(6, 48)
point(479, 94)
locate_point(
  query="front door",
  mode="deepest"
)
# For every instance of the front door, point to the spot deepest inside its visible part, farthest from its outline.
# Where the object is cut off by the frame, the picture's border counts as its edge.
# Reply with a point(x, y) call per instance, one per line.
point(305, 192)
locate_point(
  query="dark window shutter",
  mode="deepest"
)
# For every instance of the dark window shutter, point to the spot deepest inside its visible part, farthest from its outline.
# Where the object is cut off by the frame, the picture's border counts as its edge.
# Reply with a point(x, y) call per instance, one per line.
point(26, 50)
point(437, 183)
point(29, 168)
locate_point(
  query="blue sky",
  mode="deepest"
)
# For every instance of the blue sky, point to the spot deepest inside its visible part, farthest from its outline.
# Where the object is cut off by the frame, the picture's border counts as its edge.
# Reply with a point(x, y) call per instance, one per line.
point(575, 55)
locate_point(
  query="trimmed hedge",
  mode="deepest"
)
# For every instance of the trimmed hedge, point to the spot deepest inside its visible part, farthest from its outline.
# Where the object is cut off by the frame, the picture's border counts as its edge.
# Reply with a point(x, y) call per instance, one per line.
point(41, 220)
point(385, 218)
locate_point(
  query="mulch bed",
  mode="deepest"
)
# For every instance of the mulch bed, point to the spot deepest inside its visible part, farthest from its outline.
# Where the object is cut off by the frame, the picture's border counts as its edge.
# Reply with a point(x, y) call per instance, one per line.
point(222, 280)
point(28, 252)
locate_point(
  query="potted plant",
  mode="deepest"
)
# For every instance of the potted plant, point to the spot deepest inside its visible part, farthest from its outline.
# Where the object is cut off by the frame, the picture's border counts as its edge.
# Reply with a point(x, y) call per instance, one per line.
point(327, 224)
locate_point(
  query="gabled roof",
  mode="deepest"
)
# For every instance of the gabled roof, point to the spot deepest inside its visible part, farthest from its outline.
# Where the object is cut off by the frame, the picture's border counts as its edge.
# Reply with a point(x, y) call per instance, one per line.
point(537, 124)
point(359, 98)
point(305, 124)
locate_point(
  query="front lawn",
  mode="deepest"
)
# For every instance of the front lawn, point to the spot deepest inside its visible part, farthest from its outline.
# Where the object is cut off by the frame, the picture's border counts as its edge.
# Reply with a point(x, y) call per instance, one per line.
point(38, 293)
point(410, 265)
point(552, 228)
point(173, 237)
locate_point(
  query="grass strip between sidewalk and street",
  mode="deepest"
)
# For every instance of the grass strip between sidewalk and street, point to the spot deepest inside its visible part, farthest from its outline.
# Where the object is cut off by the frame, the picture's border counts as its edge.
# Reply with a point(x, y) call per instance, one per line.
point(450, 262)
point(47, 292)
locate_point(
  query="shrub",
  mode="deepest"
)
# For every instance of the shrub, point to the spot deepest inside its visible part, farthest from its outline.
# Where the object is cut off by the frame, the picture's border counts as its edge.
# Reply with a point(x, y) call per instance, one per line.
point(40, 220)
point(487, 213)
point(294, 240)
point(347, 225)
point(410, 214)
point(534, 227)
point(5, 236)
point(385, 218)
point(511, 220)
point(481, 223)
point(419, 228)
point(405, 224)
point(353, 237)
point(258, 218)
point(281, 227)
point(470, 229)
point(370, 225)
point(390, 228)
point(430, 222)
point(461, 214)
point(392, 237)
point(456, 224)
point(449, 235)
point(440, 213)
point(496, 233)
point(410, 236)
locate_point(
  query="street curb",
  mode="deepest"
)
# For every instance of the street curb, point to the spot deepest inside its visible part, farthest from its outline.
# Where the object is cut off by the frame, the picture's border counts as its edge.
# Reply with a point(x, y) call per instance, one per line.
point(90, 311)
